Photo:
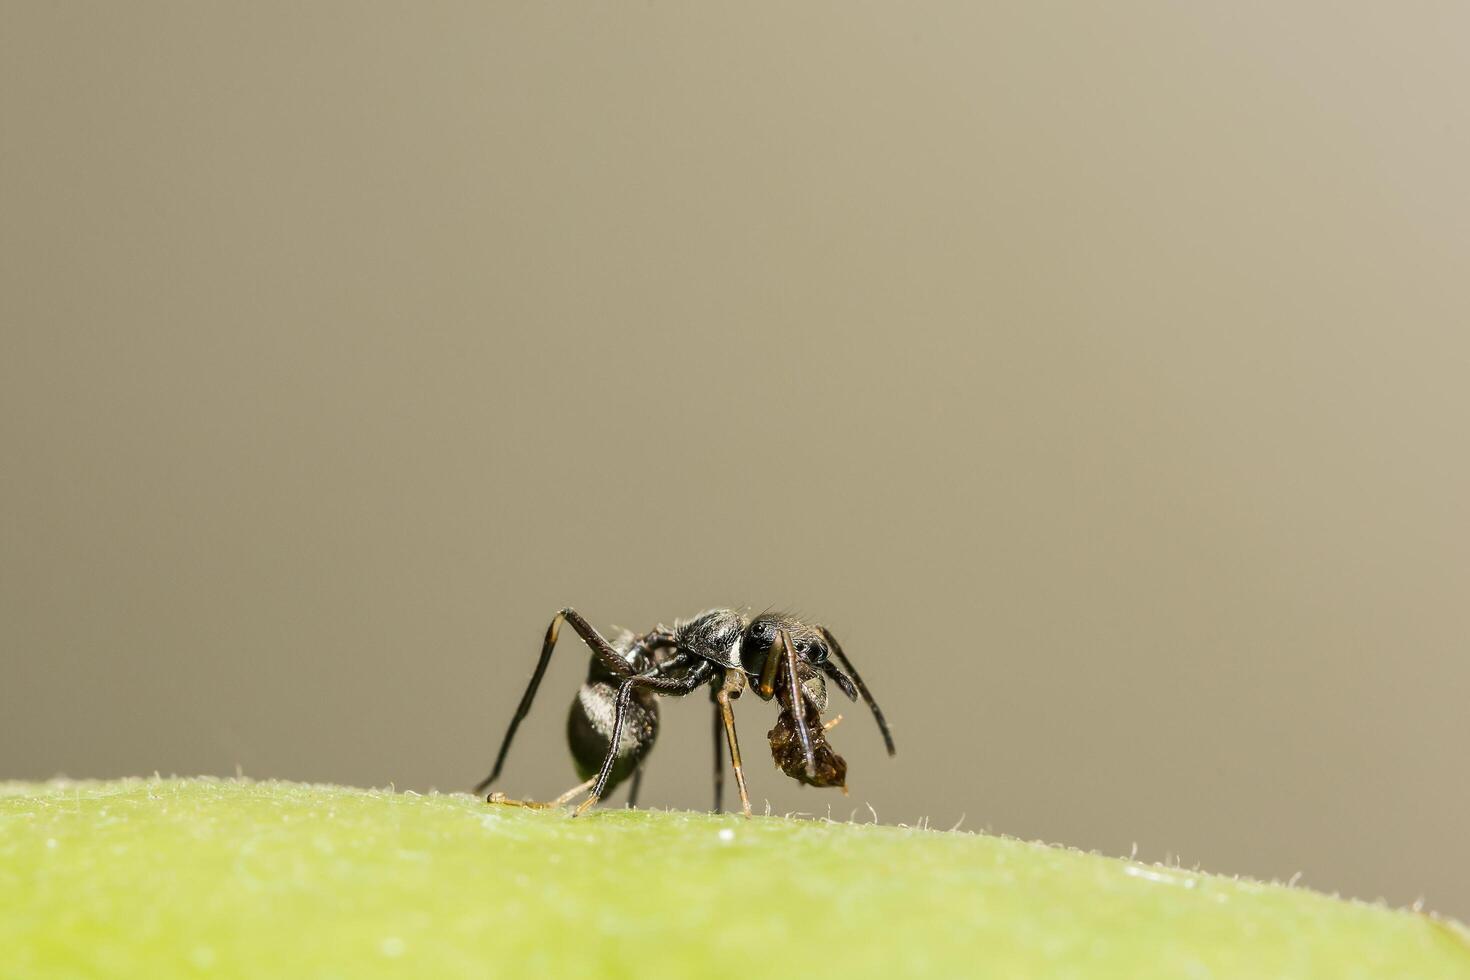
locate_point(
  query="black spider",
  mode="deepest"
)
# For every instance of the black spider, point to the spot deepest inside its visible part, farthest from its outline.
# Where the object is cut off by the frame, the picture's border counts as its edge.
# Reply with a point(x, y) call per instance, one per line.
point(614, 720)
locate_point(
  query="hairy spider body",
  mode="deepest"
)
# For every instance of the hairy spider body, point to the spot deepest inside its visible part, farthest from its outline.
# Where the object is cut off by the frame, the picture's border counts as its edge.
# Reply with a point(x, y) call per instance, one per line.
point(614, 719)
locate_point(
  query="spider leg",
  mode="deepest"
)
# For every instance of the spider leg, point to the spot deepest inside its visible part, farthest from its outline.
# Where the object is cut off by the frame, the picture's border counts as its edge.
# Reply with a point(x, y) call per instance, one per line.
point(633, 789)
point(696, 676)
point(841, 680)
point(767, 687)
point(862, 688)
point(561, 800)
point(719, 752)
point(798, 704)
point(601, 649)
point(734, 684)
point(648, 645)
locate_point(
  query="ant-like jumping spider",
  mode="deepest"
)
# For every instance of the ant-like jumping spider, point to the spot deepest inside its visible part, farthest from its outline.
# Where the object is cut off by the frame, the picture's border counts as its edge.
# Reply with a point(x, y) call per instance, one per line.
point(614, 719)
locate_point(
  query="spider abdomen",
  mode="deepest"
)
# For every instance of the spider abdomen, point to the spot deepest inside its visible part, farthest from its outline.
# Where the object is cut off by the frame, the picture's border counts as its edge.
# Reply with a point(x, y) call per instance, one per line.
point(590, 725)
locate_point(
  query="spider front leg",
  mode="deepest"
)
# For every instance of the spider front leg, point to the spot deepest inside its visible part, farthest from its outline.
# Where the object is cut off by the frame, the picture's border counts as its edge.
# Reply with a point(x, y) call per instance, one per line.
point(798, 704)
point(783, 654)
point(857, 681)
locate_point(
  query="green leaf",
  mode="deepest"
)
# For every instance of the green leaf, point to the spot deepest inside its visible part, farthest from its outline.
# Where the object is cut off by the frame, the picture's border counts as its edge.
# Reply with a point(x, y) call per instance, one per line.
point(166, 878)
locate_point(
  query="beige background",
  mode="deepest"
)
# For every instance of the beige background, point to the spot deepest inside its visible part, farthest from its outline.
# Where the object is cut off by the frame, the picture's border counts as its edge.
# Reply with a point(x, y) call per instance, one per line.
point(1098, 374)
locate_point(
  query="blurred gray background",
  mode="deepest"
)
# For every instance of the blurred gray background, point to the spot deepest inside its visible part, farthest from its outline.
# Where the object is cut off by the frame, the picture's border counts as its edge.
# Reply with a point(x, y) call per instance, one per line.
point(1099, 375)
